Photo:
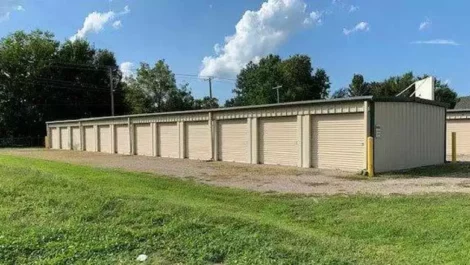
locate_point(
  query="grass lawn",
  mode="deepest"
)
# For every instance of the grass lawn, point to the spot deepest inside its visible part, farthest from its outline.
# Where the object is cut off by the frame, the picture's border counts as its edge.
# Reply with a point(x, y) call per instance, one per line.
point(54, 212)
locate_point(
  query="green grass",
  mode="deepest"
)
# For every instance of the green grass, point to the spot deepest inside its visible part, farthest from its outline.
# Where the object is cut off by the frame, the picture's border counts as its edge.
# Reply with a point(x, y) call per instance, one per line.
point(53, 212)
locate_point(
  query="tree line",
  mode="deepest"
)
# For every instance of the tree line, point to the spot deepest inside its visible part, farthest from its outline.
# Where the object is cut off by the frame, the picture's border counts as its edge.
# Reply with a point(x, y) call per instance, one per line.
point(42, 79)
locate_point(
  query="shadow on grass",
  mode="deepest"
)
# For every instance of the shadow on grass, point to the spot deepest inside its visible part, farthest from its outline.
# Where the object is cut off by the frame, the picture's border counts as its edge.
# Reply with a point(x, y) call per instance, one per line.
point(448, 170)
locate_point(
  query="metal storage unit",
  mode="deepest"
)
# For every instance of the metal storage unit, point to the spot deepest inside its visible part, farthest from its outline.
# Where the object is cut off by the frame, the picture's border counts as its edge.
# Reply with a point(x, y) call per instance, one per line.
point(232, 140)
point(278, 144)
point(55, 143)
point(143, 139)
point(338, 141)
point(458, 121)
point(168, 139)
point(197, 140)
point(122, 139)
point(76, 138)
point(408, 135)
point(104, 134)
point(64, 139)
point(320, 133)
point(90, 138)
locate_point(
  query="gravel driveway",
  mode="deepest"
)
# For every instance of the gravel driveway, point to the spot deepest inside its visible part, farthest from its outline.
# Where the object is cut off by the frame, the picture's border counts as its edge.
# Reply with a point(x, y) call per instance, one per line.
point(263, 178)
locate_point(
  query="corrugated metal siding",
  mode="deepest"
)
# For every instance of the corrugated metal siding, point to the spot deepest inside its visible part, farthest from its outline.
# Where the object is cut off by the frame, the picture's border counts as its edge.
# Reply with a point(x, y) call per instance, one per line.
point(338, 141)
point(90, 141)
point(104, 133)
point(168, 139)
point(197, 138)
point(64, 139)
point(232, 140)
point(76, 138)
point(278, 143)
point(122, 139)
point(462, 128)
point(55, 138)
point(408, 135)
point(143, 139)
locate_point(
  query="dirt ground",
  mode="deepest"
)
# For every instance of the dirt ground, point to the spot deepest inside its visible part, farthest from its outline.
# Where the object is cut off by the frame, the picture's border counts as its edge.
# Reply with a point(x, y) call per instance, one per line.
point(262, 178)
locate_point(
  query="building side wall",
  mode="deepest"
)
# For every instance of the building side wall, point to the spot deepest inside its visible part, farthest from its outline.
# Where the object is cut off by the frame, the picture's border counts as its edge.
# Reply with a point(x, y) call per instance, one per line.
point(408, 135)
point(462, 129)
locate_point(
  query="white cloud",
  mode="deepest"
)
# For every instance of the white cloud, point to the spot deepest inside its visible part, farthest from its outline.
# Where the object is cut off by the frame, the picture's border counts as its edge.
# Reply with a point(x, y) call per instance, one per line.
point(437, 42)
point(353, 8)
point(5, 17)
point(257, 34)
point(361, 26)
point(126, 10)
point(117, 24)
point(96, 21)
point(425, 24)
point(19, 8)
point(315, 17)
point(127, 69)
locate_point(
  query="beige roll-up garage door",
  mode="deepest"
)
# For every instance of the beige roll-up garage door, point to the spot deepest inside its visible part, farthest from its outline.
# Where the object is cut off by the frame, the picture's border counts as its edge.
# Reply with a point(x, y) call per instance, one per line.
point(278, 143)
point(462, 129)
point(122, 139)
point(64, 139)
point(168, 140)
point(338, 141)
point(232, 140)
point(89, 137)
point(143, 139)
point(197, 139)
point(75, 138)
point(104, 133)
point(55, 141)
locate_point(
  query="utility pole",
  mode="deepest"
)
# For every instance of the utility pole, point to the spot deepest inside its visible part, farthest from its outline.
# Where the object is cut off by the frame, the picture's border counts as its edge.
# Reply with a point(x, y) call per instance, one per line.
point(111, 88)
point(210, 85)
point(277, 88)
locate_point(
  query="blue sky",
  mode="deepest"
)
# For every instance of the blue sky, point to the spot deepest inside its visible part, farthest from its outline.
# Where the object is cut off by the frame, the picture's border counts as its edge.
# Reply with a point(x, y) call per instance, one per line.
point(375, 38)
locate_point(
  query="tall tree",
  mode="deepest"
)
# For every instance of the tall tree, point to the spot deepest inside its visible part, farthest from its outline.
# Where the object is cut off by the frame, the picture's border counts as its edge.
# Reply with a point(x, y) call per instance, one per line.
point(42, 80)
point(256, 81)
point(154, 89)
point(359, 87)
point(392, 86)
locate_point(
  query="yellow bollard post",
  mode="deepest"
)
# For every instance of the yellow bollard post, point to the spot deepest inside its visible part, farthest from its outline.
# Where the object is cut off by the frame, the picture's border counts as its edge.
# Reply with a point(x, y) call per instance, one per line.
point(370, 156)
point(454, 147)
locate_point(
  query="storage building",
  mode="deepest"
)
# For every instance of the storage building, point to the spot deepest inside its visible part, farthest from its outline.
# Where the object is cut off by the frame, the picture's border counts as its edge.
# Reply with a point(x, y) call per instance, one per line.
point(458, 121)
point(328, 134)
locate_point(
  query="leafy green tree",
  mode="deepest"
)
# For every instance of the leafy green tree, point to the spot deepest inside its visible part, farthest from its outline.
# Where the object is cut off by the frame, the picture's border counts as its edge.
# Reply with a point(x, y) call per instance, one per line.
point(392, 86)
point(255, 82)
point(42, 80)
point(359, 87)
point(154, 89)
point(206, 103)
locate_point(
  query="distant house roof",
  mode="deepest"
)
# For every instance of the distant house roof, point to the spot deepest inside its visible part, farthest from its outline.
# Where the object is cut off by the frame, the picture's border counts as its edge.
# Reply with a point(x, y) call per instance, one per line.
point(463, 103)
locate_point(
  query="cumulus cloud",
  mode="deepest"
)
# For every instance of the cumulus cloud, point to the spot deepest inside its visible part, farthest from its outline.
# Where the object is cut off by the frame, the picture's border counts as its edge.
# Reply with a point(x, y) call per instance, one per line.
point(257, 34)
point(353, 8)
point(126, 69)
point(96, 21)
point(361, 26)
point(437, 42)
point(117, 24)
point(19, 8)
point(425, 24)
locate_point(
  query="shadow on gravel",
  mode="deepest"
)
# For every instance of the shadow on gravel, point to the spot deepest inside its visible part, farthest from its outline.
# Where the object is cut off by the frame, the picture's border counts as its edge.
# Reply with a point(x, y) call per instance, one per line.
point(448, 170)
